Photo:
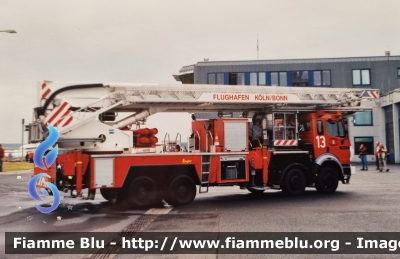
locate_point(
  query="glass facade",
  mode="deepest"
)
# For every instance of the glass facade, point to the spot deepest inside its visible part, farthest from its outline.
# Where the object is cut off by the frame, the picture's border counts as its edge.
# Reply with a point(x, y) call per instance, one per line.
point(262, 78)
point(211, 79)
point(240, 79)
point(220, 78)
point(253, 78)
point(278, 78)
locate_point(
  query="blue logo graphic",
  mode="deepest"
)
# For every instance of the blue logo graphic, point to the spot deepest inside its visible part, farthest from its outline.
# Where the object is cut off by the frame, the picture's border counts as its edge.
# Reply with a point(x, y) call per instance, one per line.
point(44, 146)
point(35, 195)
point(50, 158)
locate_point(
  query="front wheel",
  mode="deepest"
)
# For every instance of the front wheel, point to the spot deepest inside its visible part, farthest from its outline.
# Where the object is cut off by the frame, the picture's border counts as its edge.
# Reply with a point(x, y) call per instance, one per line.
point(327, 181)
point(181, 191)
point(294, 182)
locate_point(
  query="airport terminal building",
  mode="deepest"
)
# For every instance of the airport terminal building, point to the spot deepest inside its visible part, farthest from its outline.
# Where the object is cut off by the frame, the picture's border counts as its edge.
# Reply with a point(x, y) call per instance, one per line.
point(383, 73)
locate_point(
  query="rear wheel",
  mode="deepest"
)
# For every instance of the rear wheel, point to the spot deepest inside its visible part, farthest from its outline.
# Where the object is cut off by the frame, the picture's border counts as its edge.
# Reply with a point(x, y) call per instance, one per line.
point(142, 191)
point(111, 195)
point(182, 190)
point(327, 181)
point(294, 182)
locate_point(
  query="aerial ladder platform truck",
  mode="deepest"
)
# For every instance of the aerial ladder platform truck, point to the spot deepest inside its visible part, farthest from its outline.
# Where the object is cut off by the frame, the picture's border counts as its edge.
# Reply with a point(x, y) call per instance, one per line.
point(104, 146)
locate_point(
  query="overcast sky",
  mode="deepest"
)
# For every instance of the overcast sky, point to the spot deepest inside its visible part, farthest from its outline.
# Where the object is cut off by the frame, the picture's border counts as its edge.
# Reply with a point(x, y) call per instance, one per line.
point(135, 41)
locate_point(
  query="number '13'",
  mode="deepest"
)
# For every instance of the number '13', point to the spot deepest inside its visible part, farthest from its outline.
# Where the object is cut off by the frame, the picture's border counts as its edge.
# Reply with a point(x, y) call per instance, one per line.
point(320, 141)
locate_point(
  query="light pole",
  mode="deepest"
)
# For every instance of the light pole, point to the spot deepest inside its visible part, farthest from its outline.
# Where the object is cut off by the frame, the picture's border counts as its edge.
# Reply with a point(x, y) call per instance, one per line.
point(22, 147)
point(9, 31)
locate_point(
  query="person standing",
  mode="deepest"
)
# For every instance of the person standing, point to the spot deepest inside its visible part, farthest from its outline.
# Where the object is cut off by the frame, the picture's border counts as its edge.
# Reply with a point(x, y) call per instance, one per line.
point(362, 151)
point(382, 158)
point(2, 156)
point(31, 157)
point(377, 155)
point(255, 133)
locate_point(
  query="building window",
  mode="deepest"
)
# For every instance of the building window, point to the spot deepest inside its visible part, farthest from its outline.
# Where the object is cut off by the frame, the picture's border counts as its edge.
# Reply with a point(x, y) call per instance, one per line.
point(322, 77)
point(211, 79)
point(300, 78)
point(368, 143)
point(220, 78)
point(261, 78)
point(363, 118)
point(240, 79)
point(361, 77)
point(282, 78)
point(232, 79)
point(326, 77)
point(278, 78)
point(274, 79)
point(398, 72)
point(253, 78)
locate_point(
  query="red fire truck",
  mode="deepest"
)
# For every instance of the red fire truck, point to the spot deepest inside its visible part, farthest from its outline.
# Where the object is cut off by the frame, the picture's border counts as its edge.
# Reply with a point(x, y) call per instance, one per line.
point(304, 141)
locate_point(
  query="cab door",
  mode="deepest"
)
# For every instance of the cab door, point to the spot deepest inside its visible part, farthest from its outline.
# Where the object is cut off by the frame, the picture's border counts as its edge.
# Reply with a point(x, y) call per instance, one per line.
point(337, 141)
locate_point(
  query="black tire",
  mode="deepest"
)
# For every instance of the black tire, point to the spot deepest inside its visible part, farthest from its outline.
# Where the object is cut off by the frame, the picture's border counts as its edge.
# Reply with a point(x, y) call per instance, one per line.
point(142, 191)
point(181, 191)
point(105, 193)
point(113, 196)
point(256, 192)
point(327, 181)
point(294, 182)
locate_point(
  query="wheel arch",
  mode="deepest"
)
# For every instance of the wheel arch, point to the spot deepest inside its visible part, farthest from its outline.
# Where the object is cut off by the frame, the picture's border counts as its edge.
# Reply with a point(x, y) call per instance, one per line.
point(329, 160)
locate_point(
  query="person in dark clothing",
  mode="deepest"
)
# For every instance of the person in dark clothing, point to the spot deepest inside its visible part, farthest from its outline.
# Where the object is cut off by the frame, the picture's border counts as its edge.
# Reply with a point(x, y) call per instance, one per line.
point(31, 157)
point(2, 156)
point(362, 151)
point(256, 133)
point(27, 157)
point(377, 155)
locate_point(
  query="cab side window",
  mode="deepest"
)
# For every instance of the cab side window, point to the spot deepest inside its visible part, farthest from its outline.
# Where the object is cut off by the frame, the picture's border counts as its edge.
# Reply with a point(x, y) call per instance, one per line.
point(320, 129)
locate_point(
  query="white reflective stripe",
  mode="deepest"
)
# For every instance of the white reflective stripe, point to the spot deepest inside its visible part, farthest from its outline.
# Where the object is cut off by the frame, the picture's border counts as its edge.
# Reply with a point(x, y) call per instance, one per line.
point(374, 94)
point(51, 118)
point(64, 121)
point(285, 142)
point(45, 91)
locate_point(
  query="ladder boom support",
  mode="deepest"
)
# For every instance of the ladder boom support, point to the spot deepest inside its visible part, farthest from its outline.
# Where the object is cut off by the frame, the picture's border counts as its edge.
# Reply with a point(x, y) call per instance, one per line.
point(64, 105)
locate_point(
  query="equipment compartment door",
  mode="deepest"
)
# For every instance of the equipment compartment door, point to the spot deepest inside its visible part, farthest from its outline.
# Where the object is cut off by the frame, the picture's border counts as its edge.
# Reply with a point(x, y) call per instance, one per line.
point(233, 168)
point(235, 135)
point(103, 172)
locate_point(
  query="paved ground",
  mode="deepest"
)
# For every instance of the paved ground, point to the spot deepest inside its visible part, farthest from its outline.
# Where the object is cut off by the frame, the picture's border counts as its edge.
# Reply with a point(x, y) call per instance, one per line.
point(369, 204)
